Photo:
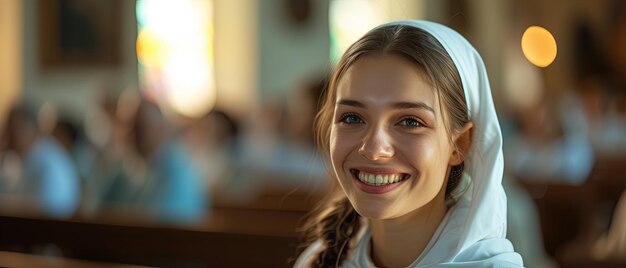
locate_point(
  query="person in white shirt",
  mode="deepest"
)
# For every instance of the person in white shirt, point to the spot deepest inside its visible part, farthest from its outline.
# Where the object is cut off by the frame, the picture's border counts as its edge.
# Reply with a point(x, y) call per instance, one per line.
point(411, 133)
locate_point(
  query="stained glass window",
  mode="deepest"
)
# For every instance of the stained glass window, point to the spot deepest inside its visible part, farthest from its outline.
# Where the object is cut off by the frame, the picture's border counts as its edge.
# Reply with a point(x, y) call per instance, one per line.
point(175, 53)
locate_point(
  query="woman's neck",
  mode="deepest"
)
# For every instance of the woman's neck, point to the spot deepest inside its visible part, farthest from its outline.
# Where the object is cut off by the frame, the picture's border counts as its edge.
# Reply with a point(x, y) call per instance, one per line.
point(398, 242)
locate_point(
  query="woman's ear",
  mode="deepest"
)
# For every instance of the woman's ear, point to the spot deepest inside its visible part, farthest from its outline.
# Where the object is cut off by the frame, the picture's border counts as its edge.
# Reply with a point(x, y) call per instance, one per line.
point(462, 144)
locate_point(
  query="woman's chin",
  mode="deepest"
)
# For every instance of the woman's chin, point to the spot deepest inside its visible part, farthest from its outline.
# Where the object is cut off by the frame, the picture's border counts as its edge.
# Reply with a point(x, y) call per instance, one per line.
point(375, 212)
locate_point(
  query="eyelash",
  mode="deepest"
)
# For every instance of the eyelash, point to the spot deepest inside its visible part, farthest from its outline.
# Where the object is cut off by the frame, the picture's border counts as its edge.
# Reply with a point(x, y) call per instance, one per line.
point(420, 123)
point(403, 122)
point(346, 116)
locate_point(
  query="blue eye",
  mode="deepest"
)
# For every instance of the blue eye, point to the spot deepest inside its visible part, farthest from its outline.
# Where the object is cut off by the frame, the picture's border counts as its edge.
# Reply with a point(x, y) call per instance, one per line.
point(351, 119)
point(411, 122)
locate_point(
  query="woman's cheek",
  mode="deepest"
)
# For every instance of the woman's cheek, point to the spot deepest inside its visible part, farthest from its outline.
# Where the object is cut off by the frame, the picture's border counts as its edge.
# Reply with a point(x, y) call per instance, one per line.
point(337, 143)
point(418, 150)
point(334, 145)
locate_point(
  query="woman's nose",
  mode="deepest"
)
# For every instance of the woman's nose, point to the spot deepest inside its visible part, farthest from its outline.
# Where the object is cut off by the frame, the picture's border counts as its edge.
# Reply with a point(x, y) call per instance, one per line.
point(377, 145)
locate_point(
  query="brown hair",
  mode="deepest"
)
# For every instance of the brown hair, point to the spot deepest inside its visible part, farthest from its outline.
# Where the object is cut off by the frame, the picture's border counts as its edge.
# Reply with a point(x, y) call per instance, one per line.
point(336, 221)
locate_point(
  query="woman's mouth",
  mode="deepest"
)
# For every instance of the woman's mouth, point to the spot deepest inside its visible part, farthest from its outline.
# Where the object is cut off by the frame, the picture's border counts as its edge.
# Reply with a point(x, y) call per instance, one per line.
point(379, 183)
point(378, 179)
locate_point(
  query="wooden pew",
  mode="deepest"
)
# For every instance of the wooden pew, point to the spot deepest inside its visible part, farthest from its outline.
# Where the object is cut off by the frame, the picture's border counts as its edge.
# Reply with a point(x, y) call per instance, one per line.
point(156, 245)
point(572, 217)
point(15, 259)
point(260, 232)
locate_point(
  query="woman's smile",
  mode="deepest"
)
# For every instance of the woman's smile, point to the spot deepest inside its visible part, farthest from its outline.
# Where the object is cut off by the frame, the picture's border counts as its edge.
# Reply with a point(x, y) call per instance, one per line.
point(377, 180)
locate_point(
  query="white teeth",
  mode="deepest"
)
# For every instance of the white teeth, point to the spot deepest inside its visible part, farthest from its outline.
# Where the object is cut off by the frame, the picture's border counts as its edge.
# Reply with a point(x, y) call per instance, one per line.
point(379, 179)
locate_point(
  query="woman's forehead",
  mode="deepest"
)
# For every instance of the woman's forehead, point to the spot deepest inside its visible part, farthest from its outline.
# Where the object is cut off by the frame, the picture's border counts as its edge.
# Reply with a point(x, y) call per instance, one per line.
point(384, 78)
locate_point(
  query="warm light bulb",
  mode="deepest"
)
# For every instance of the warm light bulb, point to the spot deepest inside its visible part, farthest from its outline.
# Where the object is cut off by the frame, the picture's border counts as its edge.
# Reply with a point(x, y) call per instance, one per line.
point(539, 46)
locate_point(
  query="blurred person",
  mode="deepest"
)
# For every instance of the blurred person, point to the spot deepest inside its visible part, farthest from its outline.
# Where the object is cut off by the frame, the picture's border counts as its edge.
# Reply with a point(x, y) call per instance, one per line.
point(212, 142)
point(66, 133)
point(107, 127)
point(544, 150)
point(48, 181)
point(411, 101)
point(72, 138)
point(158, 176)
point(271, 158)
point(302, 106)
point(259, 138)
point(592, 106)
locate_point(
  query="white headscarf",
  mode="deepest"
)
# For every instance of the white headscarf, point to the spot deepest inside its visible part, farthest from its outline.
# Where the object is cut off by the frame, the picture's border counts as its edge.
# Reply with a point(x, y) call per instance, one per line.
point(476, 228)
point(473, 232)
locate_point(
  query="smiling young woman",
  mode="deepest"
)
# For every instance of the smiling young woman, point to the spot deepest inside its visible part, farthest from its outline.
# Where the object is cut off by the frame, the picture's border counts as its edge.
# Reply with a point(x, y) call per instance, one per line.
point(411, 133)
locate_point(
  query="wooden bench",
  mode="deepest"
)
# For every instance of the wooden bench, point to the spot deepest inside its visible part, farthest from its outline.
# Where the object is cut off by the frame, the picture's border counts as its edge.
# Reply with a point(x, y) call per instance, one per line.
point(572, 217)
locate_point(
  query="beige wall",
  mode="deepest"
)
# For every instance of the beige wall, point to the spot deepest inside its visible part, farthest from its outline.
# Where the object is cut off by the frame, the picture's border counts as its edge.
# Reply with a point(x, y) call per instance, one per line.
point(289, 54)
point(10, 53)
point(73, 89)
point(236, 54)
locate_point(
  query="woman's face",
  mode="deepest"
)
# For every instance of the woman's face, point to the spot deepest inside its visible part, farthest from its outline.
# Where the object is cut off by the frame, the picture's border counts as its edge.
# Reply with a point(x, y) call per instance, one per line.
point(388, 144)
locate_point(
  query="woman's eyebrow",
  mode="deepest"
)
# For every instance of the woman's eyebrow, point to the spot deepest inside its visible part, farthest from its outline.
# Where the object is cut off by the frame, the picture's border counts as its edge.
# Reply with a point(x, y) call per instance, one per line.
point(396, 105)
point(412, 105)
point(350, 103)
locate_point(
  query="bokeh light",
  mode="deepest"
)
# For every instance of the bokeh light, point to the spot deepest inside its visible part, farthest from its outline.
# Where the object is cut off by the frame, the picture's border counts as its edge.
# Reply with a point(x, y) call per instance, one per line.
point(539, 46)
point(175, 52)
point(349, 20)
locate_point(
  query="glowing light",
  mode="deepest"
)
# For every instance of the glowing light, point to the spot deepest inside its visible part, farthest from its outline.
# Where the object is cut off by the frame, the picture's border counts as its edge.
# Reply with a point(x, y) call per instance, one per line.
point(175, 52)
point(191, 88)
point(539, 46)
point(149, 49)
point(349, 20)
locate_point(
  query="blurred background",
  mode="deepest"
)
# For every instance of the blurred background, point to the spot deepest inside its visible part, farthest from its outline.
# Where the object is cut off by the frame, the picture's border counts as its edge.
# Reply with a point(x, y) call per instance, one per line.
point(179, 133)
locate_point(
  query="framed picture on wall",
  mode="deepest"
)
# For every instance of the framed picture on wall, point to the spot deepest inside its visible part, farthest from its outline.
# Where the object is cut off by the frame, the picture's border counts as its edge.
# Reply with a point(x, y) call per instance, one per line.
point(78, 33)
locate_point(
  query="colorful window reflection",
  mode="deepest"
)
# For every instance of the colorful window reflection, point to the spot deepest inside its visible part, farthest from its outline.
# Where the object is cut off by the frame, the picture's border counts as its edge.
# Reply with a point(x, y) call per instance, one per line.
point(175, 52)
point(349, 20)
